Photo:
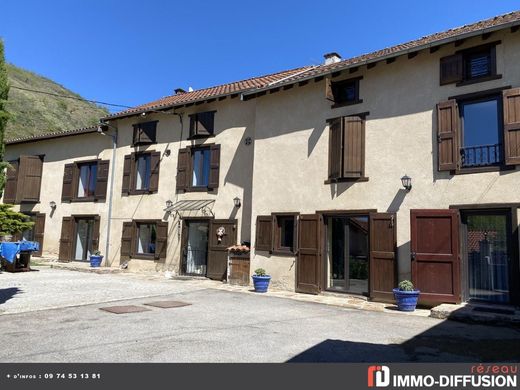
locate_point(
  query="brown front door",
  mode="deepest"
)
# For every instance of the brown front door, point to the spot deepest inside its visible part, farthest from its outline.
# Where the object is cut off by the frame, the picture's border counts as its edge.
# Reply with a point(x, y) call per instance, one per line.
point(435, 255)
point(308, 265)
point(218, 244)
point(383, 262)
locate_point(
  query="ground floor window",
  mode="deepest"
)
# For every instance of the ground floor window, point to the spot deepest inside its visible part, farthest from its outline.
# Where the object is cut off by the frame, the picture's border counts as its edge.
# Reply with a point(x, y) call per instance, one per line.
point(146, 238)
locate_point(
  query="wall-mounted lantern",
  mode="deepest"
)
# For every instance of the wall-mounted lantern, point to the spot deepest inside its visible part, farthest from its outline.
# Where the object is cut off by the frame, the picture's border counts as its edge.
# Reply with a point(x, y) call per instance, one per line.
point(407, 182)
point(169, 204)
point(237, 203)
point(52, 204)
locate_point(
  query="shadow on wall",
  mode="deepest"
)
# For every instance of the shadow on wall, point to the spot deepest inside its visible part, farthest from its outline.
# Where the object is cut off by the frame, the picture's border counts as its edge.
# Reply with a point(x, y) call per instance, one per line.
point(337, 189)
point(449, 341)
point(404, 265)
point(397, 201)
point(8, 293)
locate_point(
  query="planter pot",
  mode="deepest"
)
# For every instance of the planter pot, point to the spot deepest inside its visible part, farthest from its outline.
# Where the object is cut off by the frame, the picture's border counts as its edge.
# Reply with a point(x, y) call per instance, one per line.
point(95, 261)
point(406, 300)
point(261, 283)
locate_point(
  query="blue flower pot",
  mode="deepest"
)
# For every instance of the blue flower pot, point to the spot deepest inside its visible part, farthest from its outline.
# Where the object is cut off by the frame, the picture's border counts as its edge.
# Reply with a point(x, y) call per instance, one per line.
point(406, 300)
point(95, 261)
point(261, 283)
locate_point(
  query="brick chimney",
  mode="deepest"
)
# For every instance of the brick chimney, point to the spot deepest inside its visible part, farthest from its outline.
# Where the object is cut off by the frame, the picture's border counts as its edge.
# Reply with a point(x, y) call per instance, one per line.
point(331, 58)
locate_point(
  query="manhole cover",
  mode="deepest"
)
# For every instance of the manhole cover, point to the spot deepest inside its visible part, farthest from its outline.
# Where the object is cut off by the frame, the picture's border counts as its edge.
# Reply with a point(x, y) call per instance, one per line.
point(167, 304)
point(124, 309)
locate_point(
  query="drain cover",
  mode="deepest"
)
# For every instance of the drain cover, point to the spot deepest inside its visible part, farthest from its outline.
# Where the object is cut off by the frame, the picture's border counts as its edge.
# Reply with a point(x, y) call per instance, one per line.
point(124, 309)
point(167, 304)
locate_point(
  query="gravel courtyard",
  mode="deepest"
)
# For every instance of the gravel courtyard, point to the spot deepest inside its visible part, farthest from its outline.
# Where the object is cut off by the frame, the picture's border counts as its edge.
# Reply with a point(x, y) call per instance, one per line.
point(53, 316)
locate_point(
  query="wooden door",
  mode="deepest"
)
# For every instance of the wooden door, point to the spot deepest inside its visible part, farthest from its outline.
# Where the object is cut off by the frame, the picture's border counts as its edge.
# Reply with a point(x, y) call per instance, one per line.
point(308, 265)
point(383, 259)
point(66, 239)
point(217, 249)
point(39, 230)
point(435, 255)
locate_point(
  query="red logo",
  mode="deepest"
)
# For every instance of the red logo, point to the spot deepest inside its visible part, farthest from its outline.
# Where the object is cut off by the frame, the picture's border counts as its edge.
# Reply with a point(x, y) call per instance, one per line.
point(378, 376)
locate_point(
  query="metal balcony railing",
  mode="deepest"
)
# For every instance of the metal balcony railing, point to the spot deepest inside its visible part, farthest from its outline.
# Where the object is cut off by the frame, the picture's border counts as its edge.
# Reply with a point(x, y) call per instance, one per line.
point(480, 156)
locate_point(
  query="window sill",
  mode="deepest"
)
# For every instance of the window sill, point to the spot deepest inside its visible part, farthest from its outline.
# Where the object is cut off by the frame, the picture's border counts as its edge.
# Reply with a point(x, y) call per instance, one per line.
point(281, 252)
point(141, 256)
point(135, 144)
point(198, 189)
point(79, 200)
point(200, 136)
point(346, 180)
point(478, 80)
point(141, 192)
point(491, 168)
point(344, 104)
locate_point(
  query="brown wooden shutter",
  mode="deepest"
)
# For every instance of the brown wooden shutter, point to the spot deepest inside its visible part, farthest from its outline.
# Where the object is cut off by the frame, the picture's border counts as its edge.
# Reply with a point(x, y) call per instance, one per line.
point(95, 233)
point(183, 162)
point(383, 259)
point(127, 239)
point(11, 183)
point(155, 164)
point(447, 135)
point(451, 69)
point(264, 226)
point(39, 232)
point(335, 148)
point(353, 147)
point(161, 242)
point(206, 123)
point(214, 167)
point(127, 174)
point(67, 190)
point(308, 264)
point(66, 239)
point(512, 126)
point(29, 178)
point(102, 179)
point(329, 93)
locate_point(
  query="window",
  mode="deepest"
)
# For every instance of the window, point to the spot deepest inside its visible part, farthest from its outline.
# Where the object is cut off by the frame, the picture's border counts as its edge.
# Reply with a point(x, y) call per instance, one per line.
point(344, 92)
point(142, 172)
point(200, 164)
point(145, 133)
point(146, 238)
point(469, 65)
point(481, 138)
point(346, 149)
point(87, 179)
point(202, 124)
point(277, 233)
point(23, 180)
point(284, 231)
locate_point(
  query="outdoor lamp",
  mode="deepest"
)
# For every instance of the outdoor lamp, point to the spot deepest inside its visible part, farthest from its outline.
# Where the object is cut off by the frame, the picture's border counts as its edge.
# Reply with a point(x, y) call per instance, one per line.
point(169, 204)
point(52, 204)
point(407, 182)
point(237, 202)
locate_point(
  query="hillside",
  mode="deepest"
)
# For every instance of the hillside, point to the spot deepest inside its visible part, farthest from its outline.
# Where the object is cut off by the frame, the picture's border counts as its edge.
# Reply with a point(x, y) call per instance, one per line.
point(35, 113)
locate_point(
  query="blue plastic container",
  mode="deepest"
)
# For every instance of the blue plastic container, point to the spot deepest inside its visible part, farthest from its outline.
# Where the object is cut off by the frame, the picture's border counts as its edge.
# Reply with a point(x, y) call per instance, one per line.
point(406, 300)
point(95, 261)
point(261, 283)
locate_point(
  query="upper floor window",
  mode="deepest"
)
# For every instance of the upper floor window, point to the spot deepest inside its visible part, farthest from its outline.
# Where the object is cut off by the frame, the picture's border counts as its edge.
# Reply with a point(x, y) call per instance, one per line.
point(23, 180)
point(198, 168)
point(344, 92)
point(145, 133)
point(200, 165)
point(469, 65)
point(141, 173)
point(85, 180)
point(202, 124)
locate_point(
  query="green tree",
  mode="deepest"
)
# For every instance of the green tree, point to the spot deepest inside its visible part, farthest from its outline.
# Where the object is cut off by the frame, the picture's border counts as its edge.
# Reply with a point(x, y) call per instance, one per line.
point(4, 116)
point(12, 222)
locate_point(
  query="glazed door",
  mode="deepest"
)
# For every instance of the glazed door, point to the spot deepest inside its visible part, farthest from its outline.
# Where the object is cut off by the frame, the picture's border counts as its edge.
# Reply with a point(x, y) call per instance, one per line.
point(308, 264)
point(195, 247)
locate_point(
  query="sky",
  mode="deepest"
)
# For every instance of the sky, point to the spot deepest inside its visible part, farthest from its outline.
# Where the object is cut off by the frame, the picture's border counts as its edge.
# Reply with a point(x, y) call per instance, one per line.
point(135, 51)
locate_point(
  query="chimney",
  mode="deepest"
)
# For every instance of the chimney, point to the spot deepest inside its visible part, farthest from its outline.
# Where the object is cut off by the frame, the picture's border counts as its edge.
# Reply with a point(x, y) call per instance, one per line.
point(331, 58)
point(179, 91)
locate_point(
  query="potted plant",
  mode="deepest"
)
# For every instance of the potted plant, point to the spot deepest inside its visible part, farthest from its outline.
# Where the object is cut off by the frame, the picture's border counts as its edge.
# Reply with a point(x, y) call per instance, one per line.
point(406, 296)
point(261, 280)
point(95, 259)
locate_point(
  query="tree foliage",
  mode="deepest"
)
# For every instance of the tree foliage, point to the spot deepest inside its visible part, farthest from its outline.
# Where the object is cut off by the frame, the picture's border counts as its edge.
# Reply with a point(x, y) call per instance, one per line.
point(4, 116)
point(12, 222)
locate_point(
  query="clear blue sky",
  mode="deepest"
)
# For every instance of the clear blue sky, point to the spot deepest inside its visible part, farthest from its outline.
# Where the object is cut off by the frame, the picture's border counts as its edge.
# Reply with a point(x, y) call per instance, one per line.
point(131, 52)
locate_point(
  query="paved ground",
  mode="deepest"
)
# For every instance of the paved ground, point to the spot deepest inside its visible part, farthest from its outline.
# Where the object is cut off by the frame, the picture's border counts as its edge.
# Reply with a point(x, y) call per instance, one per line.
point(219, 326)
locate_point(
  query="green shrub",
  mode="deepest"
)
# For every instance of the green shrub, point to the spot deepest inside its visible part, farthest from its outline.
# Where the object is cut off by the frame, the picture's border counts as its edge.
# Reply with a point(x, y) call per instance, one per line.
point(406, 285)
point(260, 272)
point(12, 222)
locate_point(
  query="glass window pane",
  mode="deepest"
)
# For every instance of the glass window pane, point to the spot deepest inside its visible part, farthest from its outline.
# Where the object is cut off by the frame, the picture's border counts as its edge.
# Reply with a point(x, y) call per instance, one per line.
point(83, 181)
point(479, 65)
point(286, 225)
point(146, 239)
point(93, 178)
point(142, 181)
point(201, 167)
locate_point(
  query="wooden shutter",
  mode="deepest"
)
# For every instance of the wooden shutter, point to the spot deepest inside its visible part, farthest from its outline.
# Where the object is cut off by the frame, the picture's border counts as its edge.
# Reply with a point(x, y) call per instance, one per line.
point(512, 126)
point(383, 259)
point(217, 251)
point(214, 167)
point(264, 226)
point(39, 232)
point(308, 265)
point(447, 135)
point(202, 124)
point(29, 179)
point(451, 69)
point(353, 147)
point(183, 163)
point(161, 242)
point(148, 132)
point(67, 189)
point(155, 164)
point(127, 174)
point(127, 239)
point(95, 233)
point(66, 239)
point(102, 179)
point(11, 183)
point(329, 92)
point(335, 148)
point(435, 255)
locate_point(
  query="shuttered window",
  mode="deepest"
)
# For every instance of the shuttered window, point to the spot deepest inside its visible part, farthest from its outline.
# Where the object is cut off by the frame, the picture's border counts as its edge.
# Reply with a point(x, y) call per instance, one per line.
point(264, 239)
point(141, 173)
point(145, 133)
point(284, 233)
point(23, 180)
point(198, 168)
point(144, 239)
point(346, 149)
point(344, 92)
point(85, 181)
point(202, 124)
point(11, 182)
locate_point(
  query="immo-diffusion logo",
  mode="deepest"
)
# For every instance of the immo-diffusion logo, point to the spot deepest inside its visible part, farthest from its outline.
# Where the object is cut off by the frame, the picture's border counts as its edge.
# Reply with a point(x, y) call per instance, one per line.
point(378, 376)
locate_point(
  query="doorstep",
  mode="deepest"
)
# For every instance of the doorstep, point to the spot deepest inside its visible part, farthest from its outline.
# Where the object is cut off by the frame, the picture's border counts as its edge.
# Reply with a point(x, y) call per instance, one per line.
point(478, 313)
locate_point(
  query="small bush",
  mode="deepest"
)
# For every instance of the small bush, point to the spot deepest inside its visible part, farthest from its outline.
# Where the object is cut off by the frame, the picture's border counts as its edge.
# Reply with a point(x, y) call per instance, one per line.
point(406, 285)
point(260, 272)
